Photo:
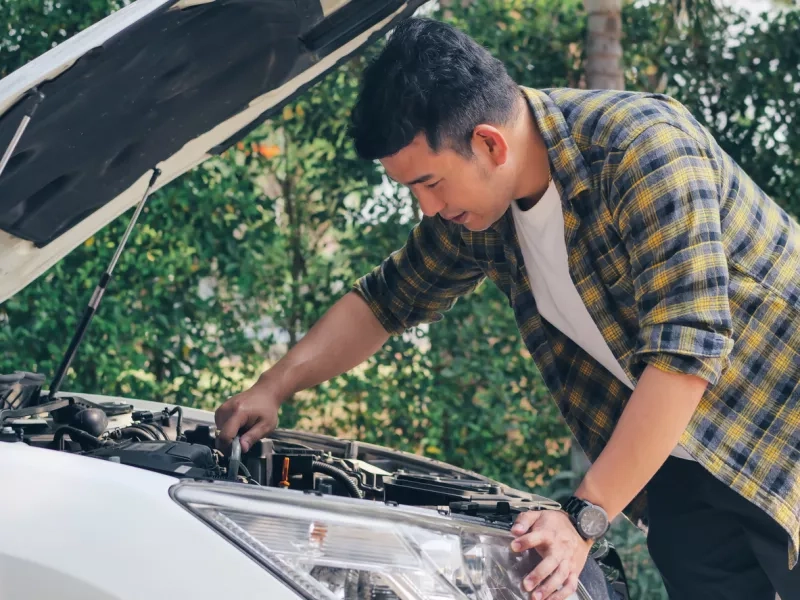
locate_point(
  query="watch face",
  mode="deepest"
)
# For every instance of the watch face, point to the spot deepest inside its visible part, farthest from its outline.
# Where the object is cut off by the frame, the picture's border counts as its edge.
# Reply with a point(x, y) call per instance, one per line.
point(593, 521)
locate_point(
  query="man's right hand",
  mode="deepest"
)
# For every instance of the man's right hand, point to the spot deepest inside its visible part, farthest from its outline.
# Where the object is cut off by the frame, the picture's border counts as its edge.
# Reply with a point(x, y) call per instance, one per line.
point(252, 414)
point(344, 337)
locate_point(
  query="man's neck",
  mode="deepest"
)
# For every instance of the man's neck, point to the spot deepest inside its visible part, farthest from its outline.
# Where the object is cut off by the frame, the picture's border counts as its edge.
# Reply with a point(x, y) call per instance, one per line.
point(534, 166)
point(529, 202)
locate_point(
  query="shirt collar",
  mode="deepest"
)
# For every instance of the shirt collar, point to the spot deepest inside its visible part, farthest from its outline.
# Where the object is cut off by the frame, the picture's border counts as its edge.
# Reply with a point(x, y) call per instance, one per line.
point(569, 169)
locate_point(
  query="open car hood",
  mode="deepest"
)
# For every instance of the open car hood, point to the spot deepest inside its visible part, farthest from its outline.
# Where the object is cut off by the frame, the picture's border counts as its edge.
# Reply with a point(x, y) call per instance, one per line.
point(159, 84)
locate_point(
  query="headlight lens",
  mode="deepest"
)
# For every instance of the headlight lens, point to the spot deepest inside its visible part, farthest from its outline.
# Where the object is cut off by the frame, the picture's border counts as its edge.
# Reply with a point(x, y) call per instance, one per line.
point(343, 549)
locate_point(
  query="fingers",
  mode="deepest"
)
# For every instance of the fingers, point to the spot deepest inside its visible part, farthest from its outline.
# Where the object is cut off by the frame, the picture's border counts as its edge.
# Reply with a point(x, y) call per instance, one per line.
point(570, 587)
point(554, 582)
point(261, 428)
point(525, 521)
point(251, 414)
point(231, 424)
point(542, 571)
point(535, 539)
point(222, 412)
point(555, 539)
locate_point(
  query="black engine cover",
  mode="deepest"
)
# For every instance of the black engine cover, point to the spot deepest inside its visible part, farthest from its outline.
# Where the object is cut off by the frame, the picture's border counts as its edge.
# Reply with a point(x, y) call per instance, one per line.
point(178, 459)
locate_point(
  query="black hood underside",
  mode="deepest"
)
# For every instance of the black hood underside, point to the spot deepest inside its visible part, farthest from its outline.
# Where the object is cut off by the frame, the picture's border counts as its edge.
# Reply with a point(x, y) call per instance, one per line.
point(137, 99)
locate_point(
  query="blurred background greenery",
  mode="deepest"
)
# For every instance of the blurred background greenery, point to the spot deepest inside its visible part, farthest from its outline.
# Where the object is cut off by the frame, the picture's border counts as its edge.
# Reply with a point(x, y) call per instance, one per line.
point(234, 261)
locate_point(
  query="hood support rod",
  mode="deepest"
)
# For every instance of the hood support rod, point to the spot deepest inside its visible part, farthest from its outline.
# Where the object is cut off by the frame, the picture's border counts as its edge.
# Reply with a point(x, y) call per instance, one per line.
point(38, 97)
point(94, 302)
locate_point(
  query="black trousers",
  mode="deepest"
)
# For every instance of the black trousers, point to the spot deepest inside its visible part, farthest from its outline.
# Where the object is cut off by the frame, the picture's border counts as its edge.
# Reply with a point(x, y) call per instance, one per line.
point(709, 543)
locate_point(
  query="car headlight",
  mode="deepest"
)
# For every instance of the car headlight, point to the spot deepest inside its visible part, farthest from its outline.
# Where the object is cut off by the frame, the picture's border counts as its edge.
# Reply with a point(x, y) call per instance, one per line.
point(333, 548)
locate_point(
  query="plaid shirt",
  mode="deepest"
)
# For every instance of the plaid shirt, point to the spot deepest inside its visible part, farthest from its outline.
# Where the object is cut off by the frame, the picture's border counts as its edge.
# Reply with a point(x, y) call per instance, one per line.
point(682, 262)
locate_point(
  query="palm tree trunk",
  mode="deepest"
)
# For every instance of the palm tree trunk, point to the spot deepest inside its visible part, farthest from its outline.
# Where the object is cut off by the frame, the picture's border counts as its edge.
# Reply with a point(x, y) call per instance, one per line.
point(604, 45)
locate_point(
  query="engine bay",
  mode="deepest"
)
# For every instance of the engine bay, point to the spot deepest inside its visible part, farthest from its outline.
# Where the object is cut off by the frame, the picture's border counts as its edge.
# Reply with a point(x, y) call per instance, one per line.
point(164, 441)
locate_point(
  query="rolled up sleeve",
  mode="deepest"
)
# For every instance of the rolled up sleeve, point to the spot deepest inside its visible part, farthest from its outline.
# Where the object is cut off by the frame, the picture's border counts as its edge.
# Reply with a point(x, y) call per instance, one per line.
point(422, 280)
point(667, 207)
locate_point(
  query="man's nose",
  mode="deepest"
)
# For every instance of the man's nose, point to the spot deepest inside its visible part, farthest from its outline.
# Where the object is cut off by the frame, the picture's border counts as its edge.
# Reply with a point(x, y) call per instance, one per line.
point(429, 204)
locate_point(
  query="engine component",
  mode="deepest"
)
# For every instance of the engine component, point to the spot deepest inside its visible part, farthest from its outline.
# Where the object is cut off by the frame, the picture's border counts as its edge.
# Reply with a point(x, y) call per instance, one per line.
point(299, 473)
point(155, 430)
point(200, 435)
point(139, 432)
point(9, 434)
point(235, 460)
point(258, 461)
point(115, 409)
point(19, 389)
point(171, 458)
point(66, 414)
point(91, 420)
point(339, 475)
point(76, 435)
point(298, 467)
point(6, 414)
point(370, 477)
point(166, 414)
point(428, 490)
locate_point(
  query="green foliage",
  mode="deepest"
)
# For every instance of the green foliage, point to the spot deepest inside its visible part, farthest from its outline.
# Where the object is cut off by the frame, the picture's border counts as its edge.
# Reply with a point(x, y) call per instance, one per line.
point(740, 77)
point(233, 262)
point(32, 27)
point(539, 41)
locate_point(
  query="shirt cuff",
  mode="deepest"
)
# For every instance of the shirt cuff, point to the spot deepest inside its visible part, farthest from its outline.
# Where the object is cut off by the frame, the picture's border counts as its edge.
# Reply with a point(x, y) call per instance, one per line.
point(390, 323)
point(687, 350)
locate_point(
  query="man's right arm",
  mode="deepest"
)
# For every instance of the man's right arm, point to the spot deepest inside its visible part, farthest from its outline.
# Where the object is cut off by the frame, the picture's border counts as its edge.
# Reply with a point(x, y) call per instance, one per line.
point(343, 338)
point(415, 285)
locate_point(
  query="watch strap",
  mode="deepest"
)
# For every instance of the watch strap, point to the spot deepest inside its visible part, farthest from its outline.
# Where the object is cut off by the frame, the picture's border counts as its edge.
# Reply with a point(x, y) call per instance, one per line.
point(573, 507)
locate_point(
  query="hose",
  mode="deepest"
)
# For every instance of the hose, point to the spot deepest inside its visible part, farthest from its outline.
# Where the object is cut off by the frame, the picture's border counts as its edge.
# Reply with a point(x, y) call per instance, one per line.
point(244, 471)
point(178, 410)
point(76, 435)
point(138, 430)
point(134, 434)
point(160, 430)
point(339, 475)
point(235, 460)
point(153, 429)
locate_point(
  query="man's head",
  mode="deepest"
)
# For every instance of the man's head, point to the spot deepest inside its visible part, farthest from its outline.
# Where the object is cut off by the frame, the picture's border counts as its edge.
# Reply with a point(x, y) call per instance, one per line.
point(443, 116)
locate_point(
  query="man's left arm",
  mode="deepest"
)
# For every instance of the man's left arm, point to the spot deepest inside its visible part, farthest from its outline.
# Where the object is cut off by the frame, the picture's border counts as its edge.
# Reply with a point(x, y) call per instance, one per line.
point(665, 200)
point(650, 427)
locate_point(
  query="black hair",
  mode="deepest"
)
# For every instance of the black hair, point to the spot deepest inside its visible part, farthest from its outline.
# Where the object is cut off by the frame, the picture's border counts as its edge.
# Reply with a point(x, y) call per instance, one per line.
point(430, 78)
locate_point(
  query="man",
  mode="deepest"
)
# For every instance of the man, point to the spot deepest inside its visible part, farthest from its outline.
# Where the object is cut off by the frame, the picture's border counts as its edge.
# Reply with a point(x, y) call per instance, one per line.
point(655, 285)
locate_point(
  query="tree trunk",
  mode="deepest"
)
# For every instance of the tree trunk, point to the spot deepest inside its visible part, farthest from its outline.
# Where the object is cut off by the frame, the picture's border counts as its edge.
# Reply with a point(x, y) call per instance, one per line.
point(604, 45)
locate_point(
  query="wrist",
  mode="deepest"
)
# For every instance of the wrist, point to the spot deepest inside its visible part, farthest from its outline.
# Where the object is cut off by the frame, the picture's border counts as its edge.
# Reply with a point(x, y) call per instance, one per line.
point(588, 491)
point(273, 386)
point(591, 491)
point(590, 520)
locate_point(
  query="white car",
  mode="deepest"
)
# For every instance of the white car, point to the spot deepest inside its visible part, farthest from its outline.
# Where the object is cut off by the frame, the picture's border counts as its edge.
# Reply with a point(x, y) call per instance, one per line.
point(105, 497)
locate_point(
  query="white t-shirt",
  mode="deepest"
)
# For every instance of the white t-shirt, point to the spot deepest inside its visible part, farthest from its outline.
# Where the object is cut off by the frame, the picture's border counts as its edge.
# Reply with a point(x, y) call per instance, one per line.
point(541, 236)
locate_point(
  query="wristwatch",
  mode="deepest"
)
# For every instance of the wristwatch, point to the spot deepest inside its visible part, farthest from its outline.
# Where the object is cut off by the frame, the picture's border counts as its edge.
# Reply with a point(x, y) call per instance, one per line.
point(590, 520)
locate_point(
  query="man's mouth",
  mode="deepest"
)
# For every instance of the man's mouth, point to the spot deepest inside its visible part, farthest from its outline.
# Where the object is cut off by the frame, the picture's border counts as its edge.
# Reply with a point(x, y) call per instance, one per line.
point(459, 218)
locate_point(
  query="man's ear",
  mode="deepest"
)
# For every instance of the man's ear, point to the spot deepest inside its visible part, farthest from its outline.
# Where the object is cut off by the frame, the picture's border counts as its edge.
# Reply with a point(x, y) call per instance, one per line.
point(489, 141)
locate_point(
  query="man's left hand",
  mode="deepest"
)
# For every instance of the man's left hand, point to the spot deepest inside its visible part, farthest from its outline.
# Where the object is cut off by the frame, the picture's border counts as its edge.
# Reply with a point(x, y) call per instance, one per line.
point(563, 552)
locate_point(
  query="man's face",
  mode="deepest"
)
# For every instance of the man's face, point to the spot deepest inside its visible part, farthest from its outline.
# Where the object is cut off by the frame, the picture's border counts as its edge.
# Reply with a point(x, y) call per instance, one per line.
point(474, 192)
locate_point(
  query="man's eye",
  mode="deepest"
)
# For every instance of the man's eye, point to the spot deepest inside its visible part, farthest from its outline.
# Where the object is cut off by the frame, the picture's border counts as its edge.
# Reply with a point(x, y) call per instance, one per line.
point(433, 185)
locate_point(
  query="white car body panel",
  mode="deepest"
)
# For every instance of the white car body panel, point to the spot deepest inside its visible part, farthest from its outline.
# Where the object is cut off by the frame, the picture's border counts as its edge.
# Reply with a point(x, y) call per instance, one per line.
point(79, 528)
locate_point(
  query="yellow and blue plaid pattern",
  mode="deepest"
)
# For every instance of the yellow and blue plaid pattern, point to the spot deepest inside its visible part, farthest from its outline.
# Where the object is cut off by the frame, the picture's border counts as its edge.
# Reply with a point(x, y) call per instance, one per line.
point(681, 260)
